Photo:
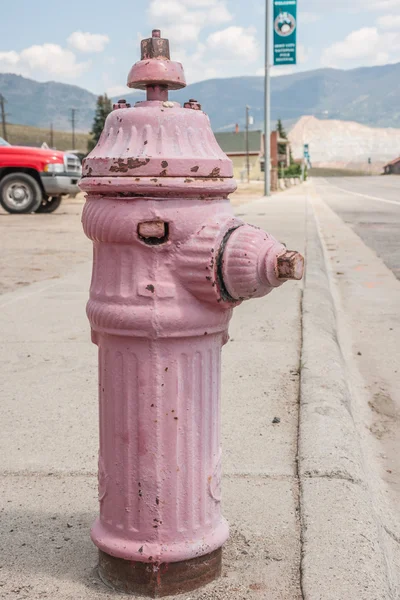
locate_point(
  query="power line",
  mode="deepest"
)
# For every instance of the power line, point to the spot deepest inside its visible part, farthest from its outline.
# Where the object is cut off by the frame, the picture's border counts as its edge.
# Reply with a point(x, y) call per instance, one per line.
point(247, 144)
point(267, 101)
point(3, 116)
point(73, 111)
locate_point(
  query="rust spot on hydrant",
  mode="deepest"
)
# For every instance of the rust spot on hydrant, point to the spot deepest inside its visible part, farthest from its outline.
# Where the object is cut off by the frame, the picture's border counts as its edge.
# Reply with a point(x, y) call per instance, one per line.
point(132, 163)
point(215, 172)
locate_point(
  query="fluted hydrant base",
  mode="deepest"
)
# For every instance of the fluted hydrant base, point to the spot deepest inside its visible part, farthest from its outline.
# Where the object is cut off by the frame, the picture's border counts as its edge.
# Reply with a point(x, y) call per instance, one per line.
point(159, 580)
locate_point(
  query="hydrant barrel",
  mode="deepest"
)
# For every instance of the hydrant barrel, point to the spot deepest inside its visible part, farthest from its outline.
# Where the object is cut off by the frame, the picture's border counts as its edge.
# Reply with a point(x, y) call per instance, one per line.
point(170, 263)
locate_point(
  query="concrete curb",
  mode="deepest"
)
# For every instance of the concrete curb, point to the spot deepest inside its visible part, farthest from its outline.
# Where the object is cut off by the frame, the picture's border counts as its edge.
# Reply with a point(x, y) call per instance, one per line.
point(343, 555)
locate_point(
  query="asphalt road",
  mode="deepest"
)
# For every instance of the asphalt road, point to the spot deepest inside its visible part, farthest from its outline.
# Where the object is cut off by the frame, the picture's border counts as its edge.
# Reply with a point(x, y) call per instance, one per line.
point(371, 206)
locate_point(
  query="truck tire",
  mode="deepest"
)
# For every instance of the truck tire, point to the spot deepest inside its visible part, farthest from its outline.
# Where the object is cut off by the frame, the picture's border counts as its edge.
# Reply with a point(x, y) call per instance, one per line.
point(49, 205)
point(20, 193)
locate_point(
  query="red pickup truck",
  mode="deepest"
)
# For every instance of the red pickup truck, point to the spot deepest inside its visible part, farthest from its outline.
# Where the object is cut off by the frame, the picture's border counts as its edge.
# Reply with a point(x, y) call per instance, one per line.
point(35, 179)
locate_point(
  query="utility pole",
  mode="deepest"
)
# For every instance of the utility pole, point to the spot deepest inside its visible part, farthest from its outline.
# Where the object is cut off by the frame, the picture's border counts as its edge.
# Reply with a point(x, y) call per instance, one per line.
point(247, 144)
point(51, 136)
point(267, 127)
point(73, 111)
point(3, 116)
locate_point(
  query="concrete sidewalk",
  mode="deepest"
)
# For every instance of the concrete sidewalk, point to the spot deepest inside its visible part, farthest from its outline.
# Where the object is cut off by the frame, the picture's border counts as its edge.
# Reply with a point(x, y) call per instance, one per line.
point(49, 444)
point(283, 517)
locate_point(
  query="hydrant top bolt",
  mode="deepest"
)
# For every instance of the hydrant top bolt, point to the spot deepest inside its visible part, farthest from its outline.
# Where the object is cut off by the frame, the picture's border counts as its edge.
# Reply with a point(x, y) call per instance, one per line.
point(155, 47)
point(121, 104)
point(193, 104)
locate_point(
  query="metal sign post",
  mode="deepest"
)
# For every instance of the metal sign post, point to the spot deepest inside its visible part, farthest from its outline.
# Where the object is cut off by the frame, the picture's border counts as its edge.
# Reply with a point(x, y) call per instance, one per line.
point(285, 50)
point(247, 144)
point(267, 141)
point(306, 160)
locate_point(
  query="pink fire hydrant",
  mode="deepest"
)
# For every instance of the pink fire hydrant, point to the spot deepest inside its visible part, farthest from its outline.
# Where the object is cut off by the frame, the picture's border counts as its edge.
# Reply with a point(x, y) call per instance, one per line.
point(170, 263)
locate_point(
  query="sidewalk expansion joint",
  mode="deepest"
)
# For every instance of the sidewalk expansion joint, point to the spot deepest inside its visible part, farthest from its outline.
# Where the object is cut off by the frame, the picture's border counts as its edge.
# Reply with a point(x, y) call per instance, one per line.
point(260, 475)
point(53, 474)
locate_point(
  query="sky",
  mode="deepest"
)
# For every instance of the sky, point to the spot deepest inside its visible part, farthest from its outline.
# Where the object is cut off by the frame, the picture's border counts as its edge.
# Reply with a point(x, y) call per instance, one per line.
point(93, 44)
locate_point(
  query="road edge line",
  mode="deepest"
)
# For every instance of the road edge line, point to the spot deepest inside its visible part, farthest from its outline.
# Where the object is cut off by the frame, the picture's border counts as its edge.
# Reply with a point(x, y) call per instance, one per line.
point(359, 194)
point(342, 552)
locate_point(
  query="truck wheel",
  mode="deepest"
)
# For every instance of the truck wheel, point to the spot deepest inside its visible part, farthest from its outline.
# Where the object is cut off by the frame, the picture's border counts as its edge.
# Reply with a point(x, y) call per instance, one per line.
point(49, 205)
point(20, 193)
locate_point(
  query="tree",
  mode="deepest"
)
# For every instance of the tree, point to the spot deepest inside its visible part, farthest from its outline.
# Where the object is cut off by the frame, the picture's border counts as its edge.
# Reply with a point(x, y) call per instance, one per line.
point(103, 109)
point(282, 147)
point(281, 130)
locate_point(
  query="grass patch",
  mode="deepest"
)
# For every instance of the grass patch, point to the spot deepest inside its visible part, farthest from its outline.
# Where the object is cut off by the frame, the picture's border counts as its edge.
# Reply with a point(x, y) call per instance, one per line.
point(24, 135)
point(328, 172)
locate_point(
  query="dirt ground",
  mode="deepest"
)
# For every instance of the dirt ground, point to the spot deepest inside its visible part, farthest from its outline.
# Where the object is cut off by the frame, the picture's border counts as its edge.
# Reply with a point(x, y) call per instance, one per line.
point(36, 247)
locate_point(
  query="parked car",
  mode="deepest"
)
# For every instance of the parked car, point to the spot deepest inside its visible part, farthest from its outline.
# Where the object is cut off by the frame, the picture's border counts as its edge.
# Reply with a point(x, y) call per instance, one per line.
point(36, 179)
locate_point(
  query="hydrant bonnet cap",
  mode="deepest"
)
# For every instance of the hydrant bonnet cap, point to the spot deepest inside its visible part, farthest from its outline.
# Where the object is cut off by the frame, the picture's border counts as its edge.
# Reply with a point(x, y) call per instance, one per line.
point(157, 138)
point(155, 66)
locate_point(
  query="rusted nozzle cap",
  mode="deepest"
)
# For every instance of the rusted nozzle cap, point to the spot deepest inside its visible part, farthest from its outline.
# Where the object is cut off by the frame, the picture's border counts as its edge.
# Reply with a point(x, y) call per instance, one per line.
point(291, 265)
point(155, 47)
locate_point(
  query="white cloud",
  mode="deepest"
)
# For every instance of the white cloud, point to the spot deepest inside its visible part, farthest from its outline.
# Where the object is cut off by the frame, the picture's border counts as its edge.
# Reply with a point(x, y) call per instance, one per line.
point(41, 61)
point(282, 70)
point(363, 46)
point(200, 3)
point(303, 54)
point(351, 7)
point(219, 14)
point(183, 20)
point(8, 61)
point(187, 22)
point(165, 11)
point(380, 4)
point(88, 42)
point(309, 17)
point(389, 22)
point(234, 42)
point(119, 90)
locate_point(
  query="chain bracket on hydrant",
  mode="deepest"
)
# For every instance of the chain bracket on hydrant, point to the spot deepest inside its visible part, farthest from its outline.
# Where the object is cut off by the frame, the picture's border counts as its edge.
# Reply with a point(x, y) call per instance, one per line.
point(171, 261)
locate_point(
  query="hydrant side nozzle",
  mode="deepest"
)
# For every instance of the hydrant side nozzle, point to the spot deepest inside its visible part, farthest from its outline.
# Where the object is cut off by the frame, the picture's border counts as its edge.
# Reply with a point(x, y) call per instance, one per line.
point(254, 263)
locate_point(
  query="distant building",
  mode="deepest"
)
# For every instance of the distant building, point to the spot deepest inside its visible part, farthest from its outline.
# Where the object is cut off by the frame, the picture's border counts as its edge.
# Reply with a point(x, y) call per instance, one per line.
point(392, 168)
point(233, 143)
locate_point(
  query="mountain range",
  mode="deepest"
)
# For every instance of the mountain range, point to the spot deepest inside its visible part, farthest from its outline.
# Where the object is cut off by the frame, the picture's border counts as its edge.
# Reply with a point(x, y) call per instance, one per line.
point(368, 95)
